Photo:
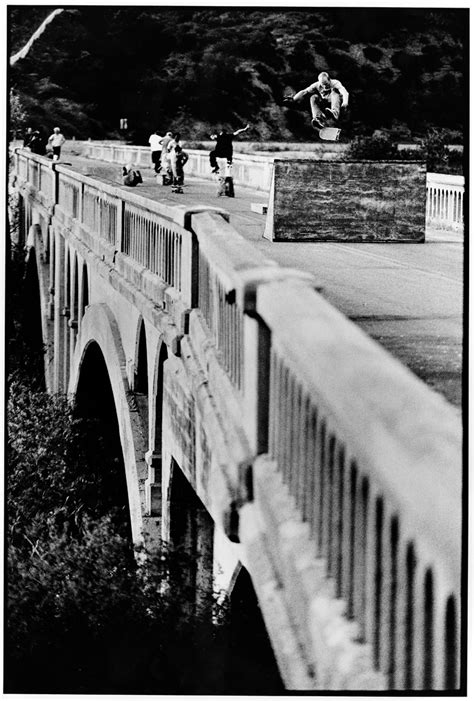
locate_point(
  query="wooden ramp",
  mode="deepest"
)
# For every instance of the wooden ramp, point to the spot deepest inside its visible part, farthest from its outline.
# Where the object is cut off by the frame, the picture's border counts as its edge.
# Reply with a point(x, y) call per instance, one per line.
point(356, 201)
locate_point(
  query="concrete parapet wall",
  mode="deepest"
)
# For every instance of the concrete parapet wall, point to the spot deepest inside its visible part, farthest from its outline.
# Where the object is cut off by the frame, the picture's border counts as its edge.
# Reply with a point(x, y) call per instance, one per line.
point(364, 201)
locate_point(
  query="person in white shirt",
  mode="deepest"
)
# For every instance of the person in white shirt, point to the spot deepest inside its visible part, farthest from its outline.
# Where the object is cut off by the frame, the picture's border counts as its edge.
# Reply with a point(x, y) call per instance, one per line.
point(155, 147)
point(56, 140)
point(328, 97)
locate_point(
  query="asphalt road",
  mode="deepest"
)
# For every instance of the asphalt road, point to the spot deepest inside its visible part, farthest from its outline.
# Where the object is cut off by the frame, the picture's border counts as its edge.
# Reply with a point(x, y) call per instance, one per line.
point(408, 297)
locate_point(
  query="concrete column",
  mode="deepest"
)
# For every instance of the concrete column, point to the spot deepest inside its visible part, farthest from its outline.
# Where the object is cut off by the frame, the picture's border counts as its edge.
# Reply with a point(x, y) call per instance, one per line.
point(52, 259)
point(153, 493)
point(119, 231)
point(58, 308)
point(66, 314)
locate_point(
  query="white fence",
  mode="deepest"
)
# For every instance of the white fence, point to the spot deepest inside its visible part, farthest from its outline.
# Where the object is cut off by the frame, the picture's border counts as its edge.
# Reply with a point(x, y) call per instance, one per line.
point(444, 201)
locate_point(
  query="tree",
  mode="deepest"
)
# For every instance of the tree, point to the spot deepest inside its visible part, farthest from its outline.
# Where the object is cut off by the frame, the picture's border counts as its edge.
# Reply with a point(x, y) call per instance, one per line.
point(18, 114)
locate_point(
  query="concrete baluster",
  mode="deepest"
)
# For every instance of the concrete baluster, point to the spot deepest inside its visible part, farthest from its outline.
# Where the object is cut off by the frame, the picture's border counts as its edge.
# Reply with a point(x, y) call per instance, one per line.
point(321, 485)
point(421, 617)
point(348, 536)
point(328, 497)
point(387, 625)
point(302, 465)
point(360, 569)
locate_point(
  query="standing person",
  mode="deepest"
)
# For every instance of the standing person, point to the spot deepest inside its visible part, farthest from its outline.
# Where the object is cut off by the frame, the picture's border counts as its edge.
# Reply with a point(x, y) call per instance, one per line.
point(155, 147)
point(56, 140)
point(37, 144)
point(178, 160)
point(27, 137)
point(224, 147)
point(328, 97)
point(165, 160)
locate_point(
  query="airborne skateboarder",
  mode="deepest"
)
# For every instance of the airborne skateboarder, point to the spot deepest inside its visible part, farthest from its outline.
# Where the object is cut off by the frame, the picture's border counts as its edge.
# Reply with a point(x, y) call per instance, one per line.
point(328, 97)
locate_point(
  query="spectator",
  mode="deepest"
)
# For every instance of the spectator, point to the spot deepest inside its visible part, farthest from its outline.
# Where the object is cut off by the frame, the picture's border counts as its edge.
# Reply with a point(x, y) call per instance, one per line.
point(155, 147)
point(37, 144)
point(27, 137)
point(224, 147)
point(165, 162)
point(131, 177)
point(178, 160)
point(56, 140)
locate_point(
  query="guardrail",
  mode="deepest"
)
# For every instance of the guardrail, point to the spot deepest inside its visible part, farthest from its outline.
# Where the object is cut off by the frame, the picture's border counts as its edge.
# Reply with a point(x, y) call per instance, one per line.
point(249, 170)
point(445, 193)
point(366, 457)
point(445, 201)
point(371, 460)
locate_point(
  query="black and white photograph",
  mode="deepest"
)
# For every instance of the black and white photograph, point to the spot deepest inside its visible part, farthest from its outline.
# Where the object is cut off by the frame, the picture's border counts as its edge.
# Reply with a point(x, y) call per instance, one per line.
point(236, 340)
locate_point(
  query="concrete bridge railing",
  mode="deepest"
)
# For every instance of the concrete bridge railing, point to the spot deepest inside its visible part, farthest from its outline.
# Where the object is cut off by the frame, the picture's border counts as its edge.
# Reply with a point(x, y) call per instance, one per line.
point(445, 201)
point(445, 193)
point(342, 471)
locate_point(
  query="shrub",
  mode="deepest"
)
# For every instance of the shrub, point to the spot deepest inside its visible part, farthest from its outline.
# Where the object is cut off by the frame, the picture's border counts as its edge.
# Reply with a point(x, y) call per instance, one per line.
point(379, 146)
point(372, 53)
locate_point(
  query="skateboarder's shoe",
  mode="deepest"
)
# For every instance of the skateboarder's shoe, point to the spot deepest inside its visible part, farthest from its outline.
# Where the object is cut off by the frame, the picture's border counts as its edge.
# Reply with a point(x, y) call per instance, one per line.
point(317, 123)
point(332, 114)
point(215, 170)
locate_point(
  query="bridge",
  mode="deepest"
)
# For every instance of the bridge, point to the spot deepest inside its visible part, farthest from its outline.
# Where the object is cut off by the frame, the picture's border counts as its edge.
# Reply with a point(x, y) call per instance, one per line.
point(259, 419)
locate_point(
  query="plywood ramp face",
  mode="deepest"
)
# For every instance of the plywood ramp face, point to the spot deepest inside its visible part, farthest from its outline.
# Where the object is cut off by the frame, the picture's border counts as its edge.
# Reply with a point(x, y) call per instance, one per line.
point(354, 201)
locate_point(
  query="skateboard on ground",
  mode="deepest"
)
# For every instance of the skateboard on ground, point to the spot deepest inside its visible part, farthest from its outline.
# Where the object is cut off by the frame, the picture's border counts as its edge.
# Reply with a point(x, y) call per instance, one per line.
point(226, 186)
point(225, 180)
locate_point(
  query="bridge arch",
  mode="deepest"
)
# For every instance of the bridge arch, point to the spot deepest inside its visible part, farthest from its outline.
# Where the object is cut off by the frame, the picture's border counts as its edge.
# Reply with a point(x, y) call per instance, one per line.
point(156, 427)
point(141, 383)
point(35, 328)
point(84, 291)
point(100, 327)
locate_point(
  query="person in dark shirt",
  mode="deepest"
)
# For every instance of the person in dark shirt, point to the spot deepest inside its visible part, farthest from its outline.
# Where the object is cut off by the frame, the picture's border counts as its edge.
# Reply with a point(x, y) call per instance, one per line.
point(27, 137)
point(131, 177)
point(224, 147)
point(37, 143)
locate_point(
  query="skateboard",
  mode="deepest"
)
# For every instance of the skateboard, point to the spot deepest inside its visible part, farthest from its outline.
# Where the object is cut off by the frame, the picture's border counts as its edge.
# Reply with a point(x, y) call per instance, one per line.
point(226, 186)
point(229, 186)
point(329, 133)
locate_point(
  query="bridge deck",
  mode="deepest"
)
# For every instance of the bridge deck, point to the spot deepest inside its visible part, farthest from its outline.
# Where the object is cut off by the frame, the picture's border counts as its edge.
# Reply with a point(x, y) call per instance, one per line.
point(407, 297)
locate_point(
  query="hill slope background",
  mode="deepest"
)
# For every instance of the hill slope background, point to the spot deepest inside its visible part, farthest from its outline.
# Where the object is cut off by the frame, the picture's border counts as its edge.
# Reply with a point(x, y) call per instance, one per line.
point(195, 68)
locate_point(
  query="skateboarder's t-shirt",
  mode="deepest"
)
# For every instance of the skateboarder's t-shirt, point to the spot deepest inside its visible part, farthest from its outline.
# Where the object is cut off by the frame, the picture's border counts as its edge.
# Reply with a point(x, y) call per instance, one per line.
point(224, 145)
point(325, 90)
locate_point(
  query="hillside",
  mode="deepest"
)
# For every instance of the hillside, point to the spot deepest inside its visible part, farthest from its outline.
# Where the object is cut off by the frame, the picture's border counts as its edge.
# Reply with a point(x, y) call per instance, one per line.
point(193, 68)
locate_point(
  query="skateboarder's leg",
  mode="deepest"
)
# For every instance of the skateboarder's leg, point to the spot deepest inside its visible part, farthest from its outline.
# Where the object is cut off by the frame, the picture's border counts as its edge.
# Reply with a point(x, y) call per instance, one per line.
point(316, 110)
point(336, 101)
point(212, 159)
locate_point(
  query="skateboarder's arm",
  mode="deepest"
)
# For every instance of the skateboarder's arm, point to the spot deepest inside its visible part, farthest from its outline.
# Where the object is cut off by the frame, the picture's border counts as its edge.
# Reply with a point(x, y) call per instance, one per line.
point(239, 131)
point(337, 85)
point(310, 90)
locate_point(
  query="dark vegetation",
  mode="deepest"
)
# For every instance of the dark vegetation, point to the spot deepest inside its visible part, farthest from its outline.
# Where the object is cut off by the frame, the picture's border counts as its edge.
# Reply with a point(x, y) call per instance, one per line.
point(85, 612)
point(195, 67)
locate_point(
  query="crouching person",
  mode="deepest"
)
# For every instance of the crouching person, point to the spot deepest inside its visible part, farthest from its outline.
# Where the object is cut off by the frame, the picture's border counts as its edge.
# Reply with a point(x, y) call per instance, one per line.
point(131, 177)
